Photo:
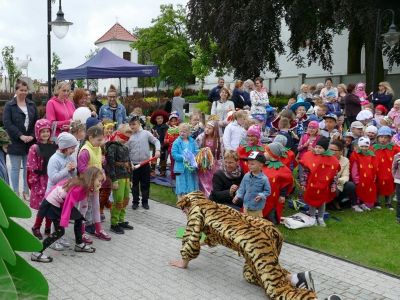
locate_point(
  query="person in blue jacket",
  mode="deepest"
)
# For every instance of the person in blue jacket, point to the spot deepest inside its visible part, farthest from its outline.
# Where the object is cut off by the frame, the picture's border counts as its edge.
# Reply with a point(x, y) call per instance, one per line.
point(384, 95)
point(4, 142)
point(184, 151)
point(213, 95)
point(113, 110)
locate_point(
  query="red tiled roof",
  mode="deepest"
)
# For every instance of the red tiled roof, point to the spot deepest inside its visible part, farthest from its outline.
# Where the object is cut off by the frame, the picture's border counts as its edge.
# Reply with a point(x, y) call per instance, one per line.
point(117, 33)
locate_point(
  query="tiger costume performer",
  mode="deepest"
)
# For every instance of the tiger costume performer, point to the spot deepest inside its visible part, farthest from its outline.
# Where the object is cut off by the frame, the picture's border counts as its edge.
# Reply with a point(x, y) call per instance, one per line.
point(256, 239)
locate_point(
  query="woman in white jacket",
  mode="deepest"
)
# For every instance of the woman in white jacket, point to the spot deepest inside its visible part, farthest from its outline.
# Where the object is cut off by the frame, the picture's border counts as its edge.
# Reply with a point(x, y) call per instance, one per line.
point(222, 106)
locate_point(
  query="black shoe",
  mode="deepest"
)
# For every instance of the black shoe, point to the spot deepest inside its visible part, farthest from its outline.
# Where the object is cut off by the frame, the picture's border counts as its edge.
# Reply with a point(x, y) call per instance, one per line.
point(145, 206)
point(334, 297)
point(90, 229)
point(125, 225)
point(117, 229)
point(135, 206)
point(305, 281)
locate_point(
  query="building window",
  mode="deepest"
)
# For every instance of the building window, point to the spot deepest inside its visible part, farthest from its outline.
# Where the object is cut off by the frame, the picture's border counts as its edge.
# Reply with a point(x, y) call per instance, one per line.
point(126, 55)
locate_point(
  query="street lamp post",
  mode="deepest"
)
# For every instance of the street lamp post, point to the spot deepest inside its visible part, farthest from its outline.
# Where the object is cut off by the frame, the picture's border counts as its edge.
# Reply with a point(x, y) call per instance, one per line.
point(391, 37)
point(60, 28)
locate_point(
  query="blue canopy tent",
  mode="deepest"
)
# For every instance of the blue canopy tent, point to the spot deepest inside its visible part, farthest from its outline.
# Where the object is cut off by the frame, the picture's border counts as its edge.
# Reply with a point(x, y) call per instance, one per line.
point(106, 64)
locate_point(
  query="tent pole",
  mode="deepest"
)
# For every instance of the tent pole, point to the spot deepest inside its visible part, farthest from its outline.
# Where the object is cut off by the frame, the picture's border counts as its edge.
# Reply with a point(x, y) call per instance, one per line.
point(87, 83)
point(120, 87)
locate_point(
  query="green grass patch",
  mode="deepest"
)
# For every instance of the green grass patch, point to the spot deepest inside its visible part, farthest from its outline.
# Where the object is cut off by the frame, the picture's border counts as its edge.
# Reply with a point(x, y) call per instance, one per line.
point(370, 238)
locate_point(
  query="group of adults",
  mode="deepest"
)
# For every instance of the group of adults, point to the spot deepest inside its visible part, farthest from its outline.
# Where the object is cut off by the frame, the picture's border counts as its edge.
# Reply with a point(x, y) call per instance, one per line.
point(20, 115)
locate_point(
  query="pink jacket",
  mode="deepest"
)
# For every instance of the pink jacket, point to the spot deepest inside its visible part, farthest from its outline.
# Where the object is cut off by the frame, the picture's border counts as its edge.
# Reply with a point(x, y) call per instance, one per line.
point(67, 200)
point(395, 116)
point(304, 139)
point(60, 112)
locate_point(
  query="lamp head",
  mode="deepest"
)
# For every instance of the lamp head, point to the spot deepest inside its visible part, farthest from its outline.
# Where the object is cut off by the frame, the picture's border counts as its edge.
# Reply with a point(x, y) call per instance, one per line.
point(391, 37)
point(60, 26)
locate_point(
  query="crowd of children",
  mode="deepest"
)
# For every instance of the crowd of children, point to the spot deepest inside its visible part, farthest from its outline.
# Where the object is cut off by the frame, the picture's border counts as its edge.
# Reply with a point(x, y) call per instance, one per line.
point(98, 164)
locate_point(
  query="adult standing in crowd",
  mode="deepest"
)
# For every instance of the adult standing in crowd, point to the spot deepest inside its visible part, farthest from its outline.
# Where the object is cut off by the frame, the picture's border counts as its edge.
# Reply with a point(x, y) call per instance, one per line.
point(384, 95)
point(60, 109)
point(342, 92)
point(248, 86)
point(226, 181)
point(259, 99)
point(177, 103)
point(19, 118)
point(113, 110)
point(329, 91)
point(238, 95)
point(222, 106)
point(345, 189)
point(305, 94)
point(95, 101)
point(81, 99)
point(352, 105)
point(213, 95)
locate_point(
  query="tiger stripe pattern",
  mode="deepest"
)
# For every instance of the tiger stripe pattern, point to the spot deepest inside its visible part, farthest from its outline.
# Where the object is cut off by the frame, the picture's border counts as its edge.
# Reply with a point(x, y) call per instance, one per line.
point(256, 239)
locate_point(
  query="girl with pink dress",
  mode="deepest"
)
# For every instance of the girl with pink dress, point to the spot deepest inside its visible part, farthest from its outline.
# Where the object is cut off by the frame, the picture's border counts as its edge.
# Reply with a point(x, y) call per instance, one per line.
point(209, 156)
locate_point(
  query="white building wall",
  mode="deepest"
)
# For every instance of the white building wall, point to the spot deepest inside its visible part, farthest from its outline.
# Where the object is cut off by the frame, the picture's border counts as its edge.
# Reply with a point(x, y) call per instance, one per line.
point(118, 48)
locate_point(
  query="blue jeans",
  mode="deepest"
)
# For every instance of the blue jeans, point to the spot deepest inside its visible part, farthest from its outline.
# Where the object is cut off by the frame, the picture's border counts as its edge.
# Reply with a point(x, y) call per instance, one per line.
point(15, 161)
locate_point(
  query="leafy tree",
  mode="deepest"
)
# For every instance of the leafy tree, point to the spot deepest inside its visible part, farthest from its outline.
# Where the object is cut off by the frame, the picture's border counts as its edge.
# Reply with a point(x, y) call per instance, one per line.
point(12, 70)
point(93, 83)
point(18, 279)
point(165, 43)
point(248, 33)
point(55, 62)
point(80, 83)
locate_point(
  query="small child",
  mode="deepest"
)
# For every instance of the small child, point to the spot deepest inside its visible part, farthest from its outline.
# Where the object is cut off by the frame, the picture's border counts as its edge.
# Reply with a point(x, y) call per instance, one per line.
point(59, 206)
point(319, 178)
point(302, 120)
point(289, 157)
point(159, 119)
point(330, 131)
point(284, 128)
point(281, 181)
point(90, 155)
point(385, 150)
point(38, 159)
point(235, 132)
point(360, 93)
point(184, 151)
point(252, 143)
point(108, 128)
point(348, 144)
point(78, 130)
point(371, 131)
point(170, 137)
point(196, 127)
point(291, 101)
point(396, 176)
point(394, 113)
point(4, 142)
point(363, 169)
point(139, 152)
point(309, 140)
point(119, 169)
point(366, 117)
point(333, 106)
point(254, 188)
point(380, 112)
point(209, 156)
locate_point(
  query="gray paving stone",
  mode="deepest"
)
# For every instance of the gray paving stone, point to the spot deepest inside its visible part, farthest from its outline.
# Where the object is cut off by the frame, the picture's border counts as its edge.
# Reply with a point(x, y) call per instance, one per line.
point(135, 266)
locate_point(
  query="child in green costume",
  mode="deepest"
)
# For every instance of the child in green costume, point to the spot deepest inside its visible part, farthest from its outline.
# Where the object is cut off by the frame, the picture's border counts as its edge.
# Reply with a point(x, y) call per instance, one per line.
point(119, 169)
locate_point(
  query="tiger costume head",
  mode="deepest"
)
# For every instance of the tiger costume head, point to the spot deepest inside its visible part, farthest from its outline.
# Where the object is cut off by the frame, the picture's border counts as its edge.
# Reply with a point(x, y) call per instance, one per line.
point(186, 201)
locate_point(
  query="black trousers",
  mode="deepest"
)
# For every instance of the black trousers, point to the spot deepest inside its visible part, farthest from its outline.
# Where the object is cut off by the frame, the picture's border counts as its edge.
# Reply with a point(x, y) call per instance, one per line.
point(349, 191)
point(60, 231)
point(141, 178)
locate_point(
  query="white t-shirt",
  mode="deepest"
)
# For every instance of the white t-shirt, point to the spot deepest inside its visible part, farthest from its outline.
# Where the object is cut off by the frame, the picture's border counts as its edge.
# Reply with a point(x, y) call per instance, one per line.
point(25, 111)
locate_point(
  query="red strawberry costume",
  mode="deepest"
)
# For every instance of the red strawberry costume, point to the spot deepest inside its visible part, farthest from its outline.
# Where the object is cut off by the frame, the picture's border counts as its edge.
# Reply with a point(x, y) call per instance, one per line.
point(289, 160)
point(319, 176)
point(363, 166)
point(250, 145)
point(384, 157)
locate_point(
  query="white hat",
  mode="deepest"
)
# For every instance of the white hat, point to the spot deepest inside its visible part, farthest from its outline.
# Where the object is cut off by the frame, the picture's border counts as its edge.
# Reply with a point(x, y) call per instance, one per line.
point(372, 129)
point(364, 141)
point(364, 115)
point(66, 140)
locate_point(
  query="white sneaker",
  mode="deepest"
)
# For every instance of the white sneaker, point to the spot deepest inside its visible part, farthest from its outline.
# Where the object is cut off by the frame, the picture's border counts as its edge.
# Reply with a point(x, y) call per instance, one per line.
point(63, 241)
point(364, 207)
point(356, 208)
point(321, 222)
point(57, 246)
point(378, 207)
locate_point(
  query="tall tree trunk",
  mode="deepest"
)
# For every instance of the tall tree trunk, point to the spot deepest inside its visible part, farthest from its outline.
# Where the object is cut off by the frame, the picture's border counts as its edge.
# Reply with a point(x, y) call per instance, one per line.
point(369, 62)
point(354, 51)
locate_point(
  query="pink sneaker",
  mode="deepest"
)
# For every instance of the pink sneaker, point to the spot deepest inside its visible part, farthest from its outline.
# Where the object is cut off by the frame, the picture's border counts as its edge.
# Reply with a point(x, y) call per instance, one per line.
point(87, 240)
point(102, 235)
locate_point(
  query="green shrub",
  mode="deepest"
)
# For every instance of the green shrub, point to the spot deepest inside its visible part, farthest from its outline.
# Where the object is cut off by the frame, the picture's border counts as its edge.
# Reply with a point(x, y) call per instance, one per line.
point(151, 99)
point(279, 101)
point(204, 106)
point(196, 98)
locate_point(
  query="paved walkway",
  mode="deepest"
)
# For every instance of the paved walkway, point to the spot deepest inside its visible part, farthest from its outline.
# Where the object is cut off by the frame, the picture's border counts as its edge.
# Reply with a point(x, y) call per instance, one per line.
point(135, 266)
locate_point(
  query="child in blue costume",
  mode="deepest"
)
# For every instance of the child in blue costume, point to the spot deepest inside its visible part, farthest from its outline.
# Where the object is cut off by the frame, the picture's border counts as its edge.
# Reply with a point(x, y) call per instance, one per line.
point(184, 150)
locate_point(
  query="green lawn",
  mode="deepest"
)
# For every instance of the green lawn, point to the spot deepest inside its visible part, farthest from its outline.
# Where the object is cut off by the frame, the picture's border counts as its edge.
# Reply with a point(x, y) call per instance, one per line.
point(369, 238)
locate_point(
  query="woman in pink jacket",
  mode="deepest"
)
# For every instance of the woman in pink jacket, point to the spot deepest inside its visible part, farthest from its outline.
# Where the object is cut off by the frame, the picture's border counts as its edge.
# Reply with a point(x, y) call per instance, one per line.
point(60, 109)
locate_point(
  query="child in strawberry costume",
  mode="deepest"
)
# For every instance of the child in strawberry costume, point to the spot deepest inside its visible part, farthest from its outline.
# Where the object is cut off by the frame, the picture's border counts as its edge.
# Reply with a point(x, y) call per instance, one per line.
point(281, 181)
point(288, 158)
point(170, 137)
point(320, 169)
point(363, 168)
point(252, 143)
point(385, 150)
